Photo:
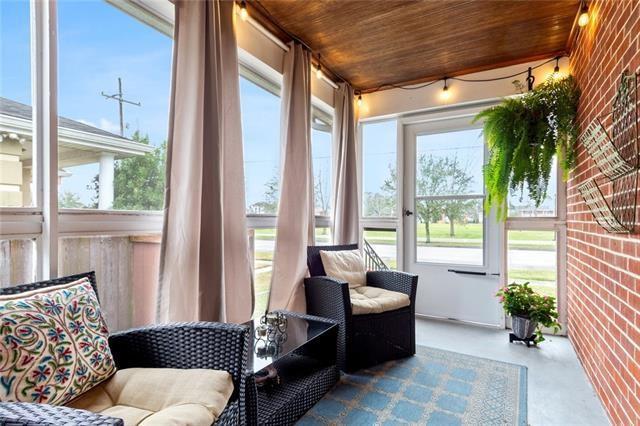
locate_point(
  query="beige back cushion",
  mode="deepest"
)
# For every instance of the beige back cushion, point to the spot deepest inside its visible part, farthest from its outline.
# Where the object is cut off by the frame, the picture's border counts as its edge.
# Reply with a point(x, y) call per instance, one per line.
point(156, 393)
point(345, 265)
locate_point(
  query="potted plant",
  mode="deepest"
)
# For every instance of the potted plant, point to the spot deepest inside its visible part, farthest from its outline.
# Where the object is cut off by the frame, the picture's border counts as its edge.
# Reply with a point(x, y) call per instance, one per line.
point(523, 134)
point(529, 311)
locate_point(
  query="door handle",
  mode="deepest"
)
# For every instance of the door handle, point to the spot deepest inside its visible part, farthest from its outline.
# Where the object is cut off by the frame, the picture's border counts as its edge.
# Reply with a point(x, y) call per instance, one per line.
point(407, 212)
point(459, 271)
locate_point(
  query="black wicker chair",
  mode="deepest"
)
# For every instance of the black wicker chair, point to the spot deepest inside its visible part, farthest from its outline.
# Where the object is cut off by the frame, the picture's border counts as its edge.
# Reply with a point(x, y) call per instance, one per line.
point(363, 340)
point(179, 345)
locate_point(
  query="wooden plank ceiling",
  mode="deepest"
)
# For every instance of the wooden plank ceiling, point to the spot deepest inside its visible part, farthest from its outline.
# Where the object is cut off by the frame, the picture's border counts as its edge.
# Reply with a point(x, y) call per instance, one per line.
point(371, 43)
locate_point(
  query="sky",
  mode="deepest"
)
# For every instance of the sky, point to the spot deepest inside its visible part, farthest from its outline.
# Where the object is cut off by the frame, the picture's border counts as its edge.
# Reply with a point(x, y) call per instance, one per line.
point(99, 43)
point(380, 153)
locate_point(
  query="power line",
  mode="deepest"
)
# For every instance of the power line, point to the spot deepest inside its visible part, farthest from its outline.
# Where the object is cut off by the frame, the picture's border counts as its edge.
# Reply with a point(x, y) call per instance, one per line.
point(121, 100)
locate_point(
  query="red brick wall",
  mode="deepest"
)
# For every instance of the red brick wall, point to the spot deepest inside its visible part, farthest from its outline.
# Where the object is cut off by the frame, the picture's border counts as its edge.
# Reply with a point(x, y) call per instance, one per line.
point(603, 270)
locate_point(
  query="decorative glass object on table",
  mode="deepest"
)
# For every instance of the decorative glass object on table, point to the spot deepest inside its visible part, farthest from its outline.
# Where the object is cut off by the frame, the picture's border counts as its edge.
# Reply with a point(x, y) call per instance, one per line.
point(277, 335)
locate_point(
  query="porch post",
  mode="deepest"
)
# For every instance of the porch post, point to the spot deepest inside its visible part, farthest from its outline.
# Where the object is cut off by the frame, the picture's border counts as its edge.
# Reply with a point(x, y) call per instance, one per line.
point(105, 194)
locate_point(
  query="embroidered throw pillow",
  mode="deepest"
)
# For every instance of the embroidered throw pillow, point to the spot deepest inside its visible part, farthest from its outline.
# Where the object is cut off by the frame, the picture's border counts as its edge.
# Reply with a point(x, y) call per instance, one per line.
point(53, 344)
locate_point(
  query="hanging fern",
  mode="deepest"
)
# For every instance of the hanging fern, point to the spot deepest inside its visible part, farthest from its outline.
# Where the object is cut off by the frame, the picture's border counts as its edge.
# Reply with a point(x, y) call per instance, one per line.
point(523, 135)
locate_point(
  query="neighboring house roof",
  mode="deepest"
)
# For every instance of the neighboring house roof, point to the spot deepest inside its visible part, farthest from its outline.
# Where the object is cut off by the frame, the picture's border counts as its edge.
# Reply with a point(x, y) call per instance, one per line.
point(16, 109)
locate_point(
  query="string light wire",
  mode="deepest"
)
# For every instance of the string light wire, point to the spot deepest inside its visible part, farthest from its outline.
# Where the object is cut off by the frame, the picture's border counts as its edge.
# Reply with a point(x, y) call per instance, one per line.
point(466, 80)
point(273, 21)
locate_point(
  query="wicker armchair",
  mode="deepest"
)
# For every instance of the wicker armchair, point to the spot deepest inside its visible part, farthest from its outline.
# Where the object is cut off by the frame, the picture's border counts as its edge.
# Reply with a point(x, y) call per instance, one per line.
point(363, 340)
point(179, 345)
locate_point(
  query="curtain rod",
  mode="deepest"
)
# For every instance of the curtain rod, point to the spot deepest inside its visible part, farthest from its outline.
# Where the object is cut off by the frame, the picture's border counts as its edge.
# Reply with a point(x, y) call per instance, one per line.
point(264, 31)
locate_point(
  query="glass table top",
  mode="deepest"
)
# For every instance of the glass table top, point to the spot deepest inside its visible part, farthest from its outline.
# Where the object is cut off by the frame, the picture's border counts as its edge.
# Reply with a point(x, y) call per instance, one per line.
point(269, 345)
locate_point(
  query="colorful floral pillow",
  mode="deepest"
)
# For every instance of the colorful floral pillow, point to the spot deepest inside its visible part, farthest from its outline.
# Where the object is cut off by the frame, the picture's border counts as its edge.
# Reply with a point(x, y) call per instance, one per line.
point(53, 344)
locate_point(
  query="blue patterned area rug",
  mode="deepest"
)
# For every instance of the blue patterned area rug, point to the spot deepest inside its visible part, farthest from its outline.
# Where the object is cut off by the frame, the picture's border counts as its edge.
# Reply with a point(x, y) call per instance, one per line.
point(434, 387)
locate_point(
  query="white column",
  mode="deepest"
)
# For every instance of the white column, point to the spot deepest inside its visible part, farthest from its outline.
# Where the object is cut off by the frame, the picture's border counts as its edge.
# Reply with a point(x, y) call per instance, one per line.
point(105, 196)
point(44, 30)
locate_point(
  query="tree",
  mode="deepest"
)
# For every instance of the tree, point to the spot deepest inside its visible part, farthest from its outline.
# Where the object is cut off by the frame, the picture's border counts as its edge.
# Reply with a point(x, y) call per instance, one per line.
point(321, 199)
point(430, 180)
point(377, 205)
point(383, 203)
point(94, 186)
point(69, 200)
point(441, 176)
point(272, 194)
point(459, 182)
point(138, 181)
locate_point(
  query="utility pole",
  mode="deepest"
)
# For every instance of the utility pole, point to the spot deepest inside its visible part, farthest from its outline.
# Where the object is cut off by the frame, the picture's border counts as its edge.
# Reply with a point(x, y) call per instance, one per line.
point(121, 100)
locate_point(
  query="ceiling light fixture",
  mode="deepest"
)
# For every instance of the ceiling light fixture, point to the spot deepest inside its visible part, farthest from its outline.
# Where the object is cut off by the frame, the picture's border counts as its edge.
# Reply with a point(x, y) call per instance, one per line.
point(359, 101)
point(583, 20)
point(244, 13)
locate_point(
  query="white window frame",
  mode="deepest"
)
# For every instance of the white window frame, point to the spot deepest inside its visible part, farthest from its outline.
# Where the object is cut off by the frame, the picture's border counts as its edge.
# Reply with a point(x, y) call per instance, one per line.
point(557, 223)
point(390, 223)
point(265, 77)
point(45, 222)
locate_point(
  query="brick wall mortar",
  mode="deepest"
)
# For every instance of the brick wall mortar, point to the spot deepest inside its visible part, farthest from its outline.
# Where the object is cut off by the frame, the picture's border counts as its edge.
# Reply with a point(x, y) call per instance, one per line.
point(603, 270)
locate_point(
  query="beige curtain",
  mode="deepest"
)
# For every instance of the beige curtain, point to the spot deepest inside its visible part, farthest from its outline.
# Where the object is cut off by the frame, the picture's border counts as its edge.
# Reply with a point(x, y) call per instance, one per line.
point(295, 223)
point(346, 208)
point(205, 272)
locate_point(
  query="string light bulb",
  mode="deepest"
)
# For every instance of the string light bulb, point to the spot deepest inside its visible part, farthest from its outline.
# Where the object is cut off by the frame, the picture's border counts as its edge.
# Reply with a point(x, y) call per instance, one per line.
point(319, 69)
point(556, 69)
point(359, 101)
point(583, 20)
point(445, 95)
point(244, 13)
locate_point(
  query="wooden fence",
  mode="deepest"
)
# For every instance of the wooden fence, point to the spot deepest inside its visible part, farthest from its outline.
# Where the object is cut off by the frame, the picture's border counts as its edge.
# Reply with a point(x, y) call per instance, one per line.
point(126, 271)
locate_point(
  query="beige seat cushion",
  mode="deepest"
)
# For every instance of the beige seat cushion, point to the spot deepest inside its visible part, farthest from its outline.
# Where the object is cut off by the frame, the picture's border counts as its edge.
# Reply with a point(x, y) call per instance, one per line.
point(373, 300)
point(167, 396)
point(345, 265)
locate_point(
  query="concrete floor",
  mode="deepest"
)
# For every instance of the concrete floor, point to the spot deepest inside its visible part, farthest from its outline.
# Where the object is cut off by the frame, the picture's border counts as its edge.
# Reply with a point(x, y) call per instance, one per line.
point(559, 391)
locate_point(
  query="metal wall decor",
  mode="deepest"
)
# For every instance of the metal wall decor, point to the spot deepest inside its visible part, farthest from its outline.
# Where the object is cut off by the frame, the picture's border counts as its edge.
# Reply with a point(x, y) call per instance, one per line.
point(616, 155)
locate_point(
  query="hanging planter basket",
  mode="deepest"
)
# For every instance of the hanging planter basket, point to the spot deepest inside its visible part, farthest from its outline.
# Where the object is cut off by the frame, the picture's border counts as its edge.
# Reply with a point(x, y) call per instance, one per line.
point(524, 134)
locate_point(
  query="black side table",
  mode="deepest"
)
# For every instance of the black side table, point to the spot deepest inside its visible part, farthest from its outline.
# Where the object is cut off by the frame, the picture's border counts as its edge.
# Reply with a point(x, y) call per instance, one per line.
point(306, 366)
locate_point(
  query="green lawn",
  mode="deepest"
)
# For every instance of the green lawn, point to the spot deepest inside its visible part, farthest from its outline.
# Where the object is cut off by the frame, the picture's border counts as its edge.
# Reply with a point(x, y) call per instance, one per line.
point(533, 274)
point(262, 255)
point(469, 235)
point(261, 286)
point(543, 281)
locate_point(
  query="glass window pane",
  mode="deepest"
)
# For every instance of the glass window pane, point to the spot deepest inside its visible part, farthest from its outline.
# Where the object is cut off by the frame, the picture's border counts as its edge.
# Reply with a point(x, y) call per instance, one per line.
point(111, 154)
point(379, 169)
point(383, 242)
point(262, 241)
point(520, 205)
point(532, 258)
point(261, 137)
point(17, 262)
point(450, 163)
point(321, 157)
point(126, 272)
point(16, 127)
point(449, 231)
point(323, 236)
